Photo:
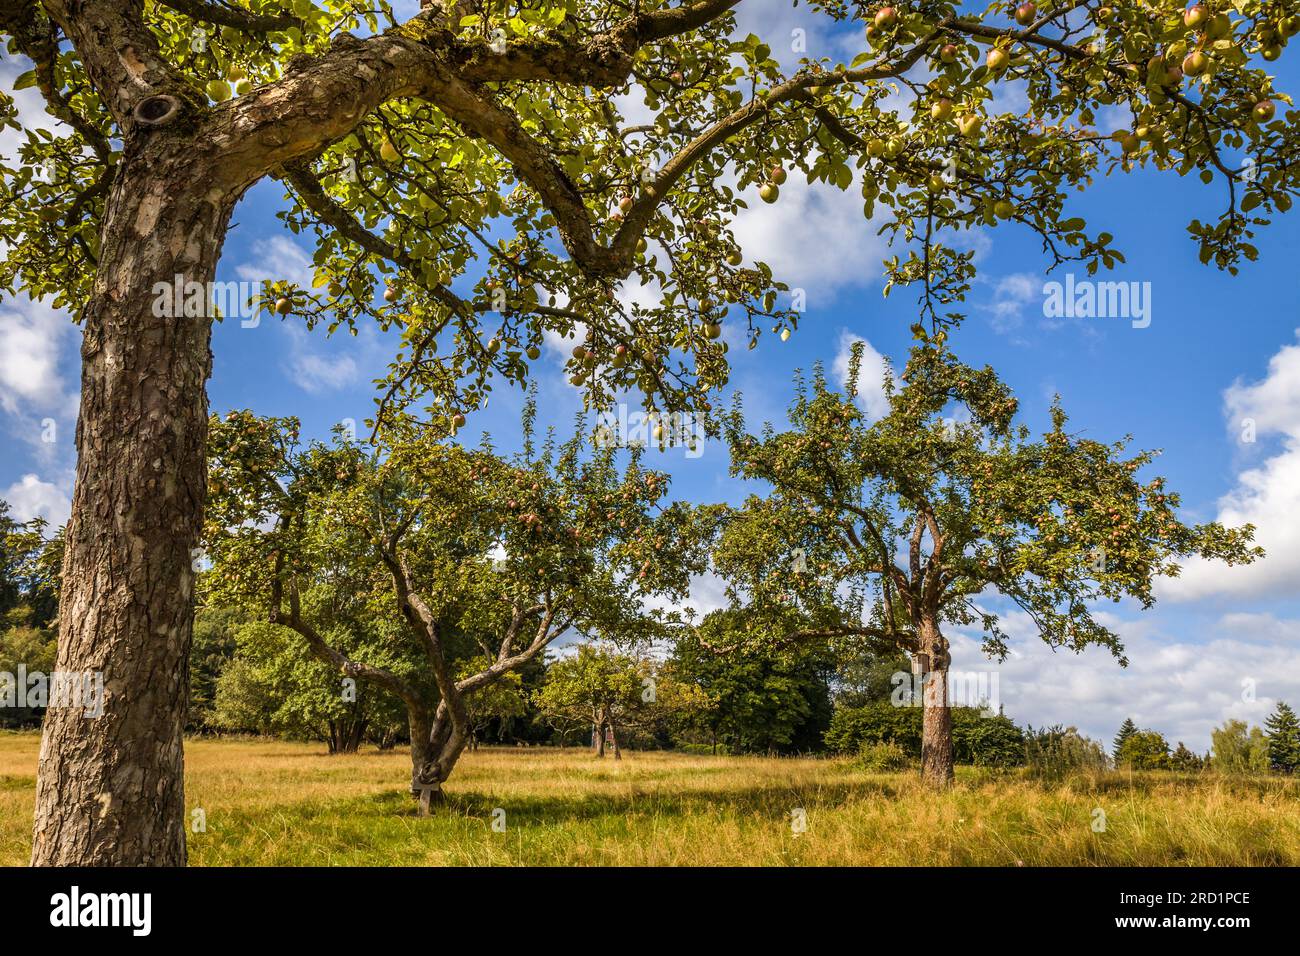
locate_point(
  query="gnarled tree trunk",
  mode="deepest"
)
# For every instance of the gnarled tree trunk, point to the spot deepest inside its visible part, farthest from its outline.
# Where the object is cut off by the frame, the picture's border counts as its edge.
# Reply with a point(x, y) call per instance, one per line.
point(444, 743)
point(936, 717)
point(110, 789)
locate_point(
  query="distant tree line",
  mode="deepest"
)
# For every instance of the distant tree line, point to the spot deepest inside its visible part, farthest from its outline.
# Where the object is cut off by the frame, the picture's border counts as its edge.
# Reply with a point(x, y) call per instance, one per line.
point(1235, 747)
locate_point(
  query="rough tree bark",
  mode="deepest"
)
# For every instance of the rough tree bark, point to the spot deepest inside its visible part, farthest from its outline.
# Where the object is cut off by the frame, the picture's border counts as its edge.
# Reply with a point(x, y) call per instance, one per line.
point(109, 790)
point(936, 717)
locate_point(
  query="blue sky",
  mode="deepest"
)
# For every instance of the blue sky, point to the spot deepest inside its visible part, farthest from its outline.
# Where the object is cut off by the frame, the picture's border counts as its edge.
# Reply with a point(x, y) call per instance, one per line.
point(1218, 349)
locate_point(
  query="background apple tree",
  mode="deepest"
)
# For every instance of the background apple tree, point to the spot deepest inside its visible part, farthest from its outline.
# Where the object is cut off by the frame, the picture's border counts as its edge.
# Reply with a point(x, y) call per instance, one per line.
point(885, 533)
point(476, 562)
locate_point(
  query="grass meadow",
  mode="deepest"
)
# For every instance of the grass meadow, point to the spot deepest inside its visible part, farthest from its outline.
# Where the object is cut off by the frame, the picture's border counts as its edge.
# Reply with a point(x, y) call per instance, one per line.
point(271, 802)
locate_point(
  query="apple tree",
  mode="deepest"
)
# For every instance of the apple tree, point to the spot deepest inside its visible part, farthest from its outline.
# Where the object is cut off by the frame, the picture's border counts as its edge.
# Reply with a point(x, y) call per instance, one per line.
point(500, 169)
point(885, 533)
point(484, 560)
point(598, 687)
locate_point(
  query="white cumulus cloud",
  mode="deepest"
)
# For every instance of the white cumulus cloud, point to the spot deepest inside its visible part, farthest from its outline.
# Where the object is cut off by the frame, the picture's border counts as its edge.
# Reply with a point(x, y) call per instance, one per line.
point(1183, 689)
point(1266, 494)
point(30, 497)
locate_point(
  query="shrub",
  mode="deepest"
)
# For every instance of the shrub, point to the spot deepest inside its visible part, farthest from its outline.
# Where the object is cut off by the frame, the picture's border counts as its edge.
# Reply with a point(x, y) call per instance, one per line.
point(983, 741)
point(851, 727)
point(1055, 752)
point(698, 749)
point(986, 741)
point(886, 757)
point(1144, 750)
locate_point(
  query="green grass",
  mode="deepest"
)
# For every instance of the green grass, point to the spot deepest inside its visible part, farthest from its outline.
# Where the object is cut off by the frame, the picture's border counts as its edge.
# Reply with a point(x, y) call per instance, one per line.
point(270, 802)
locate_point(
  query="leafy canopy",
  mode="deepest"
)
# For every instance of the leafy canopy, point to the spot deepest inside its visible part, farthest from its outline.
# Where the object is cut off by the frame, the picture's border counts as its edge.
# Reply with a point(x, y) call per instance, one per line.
point(506, 170)
point(882, 530)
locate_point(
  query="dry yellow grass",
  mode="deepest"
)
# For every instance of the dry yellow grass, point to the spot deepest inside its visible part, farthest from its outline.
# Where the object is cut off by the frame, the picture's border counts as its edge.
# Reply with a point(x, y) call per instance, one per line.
point(270, 802)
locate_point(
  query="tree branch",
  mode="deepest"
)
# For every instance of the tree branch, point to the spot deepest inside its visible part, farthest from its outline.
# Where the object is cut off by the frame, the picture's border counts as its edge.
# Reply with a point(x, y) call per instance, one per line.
point(234, 17)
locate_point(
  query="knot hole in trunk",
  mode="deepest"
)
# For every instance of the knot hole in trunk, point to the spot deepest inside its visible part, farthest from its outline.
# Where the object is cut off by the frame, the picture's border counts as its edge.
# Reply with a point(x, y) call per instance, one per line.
point(156, 110)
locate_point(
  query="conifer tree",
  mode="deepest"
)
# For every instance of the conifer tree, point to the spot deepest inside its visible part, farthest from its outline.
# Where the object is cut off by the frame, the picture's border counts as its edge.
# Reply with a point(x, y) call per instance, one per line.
point(1126, 730)
point(1283, 739)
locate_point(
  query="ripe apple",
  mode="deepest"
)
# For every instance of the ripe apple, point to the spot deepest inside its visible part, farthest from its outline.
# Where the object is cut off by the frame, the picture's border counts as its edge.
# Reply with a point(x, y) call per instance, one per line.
point(941, 109)
point(937, 183)
point(777, 175)
point(1263, 111)
point(283, 306)
point(390, 294)
point(534, 352)
point(1128, 142)
point(998, 60)
point(713, 330)
point(876, 148)
point(1289, 26)
point(1026, 14)
point(734, 259)
point(1271, 52)
point(1195, 16)
point(885, 18)
point(948, 53)
point(625, 203)
point(1195, 63)
point(969, 125)
point(458, 420)
point(769, 192)
point(1219, 27)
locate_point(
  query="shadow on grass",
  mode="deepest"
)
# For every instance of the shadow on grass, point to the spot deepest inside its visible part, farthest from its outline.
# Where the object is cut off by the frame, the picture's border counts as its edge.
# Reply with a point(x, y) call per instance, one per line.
point(766, 800)
point(742, 801)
